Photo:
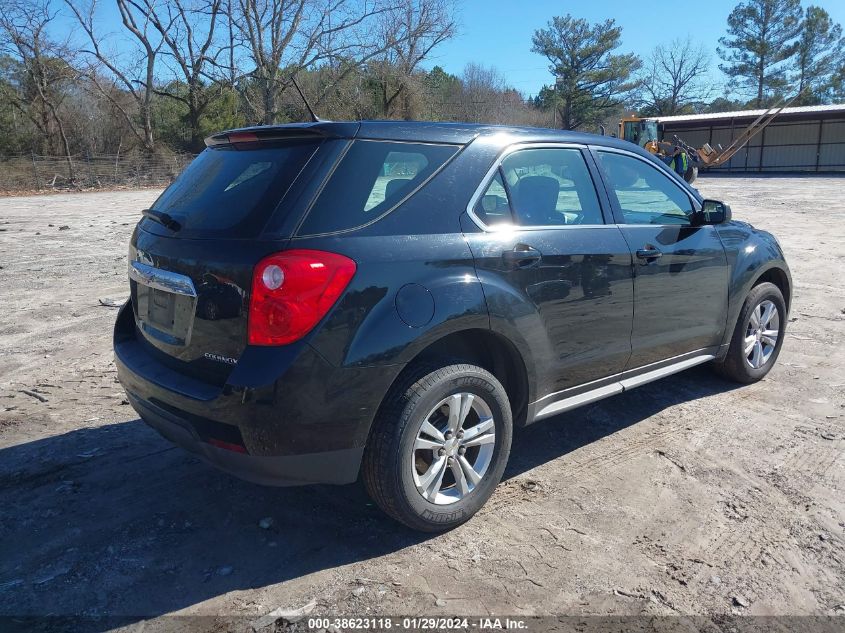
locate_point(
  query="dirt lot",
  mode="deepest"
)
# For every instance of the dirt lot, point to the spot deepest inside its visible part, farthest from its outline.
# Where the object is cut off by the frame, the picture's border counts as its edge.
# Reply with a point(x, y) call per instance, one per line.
point(685, 496)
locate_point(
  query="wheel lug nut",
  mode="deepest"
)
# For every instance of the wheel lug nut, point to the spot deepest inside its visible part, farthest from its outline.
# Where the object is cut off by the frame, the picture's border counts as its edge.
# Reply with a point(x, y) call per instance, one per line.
point(460, 434)
point(462, 450)
point(441, 452)
point(448, 435)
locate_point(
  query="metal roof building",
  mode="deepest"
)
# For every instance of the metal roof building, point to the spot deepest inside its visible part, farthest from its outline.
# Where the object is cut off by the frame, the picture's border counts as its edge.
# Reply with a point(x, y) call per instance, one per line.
point(810, 138)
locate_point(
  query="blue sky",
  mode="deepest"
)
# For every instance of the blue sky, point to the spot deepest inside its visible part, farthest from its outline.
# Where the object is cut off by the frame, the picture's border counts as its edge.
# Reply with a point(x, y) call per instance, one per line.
point(498, 32)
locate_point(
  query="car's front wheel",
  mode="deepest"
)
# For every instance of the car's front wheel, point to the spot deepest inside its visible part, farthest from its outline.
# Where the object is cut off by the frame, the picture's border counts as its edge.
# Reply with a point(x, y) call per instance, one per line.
point(758, 335)
point(439, 446)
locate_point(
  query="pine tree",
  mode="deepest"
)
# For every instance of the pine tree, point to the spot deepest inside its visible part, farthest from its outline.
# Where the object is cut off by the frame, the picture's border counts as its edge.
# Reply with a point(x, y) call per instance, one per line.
point(589, 78)
point(819, 52)
point(835, 90)
point(761, 38)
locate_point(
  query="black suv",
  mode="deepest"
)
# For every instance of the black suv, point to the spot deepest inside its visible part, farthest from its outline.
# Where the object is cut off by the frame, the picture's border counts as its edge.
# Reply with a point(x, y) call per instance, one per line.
point(310, 302)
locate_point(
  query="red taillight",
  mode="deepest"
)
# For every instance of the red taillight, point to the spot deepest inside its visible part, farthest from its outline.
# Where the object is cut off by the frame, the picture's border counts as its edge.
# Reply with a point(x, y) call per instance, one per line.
point(292, 291)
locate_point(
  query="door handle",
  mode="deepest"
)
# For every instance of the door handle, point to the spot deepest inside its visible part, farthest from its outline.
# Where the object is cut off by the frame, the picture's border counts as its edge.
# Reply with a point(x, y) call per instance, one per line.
point(649, 254)
point(522, 256)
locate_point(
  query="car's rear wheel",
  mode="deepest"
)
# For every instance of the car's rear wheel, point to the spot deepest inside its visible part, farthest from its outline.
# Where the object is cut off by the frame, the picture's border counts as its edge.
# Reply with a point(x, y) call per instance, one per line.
point(439, 446)
point(758, 335)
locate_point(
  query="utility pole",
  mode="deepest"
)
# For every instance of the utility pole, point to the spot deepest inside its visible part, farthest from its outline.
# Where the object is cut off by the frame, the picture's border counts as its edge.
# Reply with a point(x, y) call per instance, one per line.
point(554, 103)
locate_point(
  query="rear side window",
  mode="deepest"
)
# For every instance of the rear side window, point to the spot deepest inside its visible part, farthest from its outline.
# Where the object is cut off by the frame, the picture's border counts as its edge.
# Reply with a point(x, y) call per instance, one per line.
point(234, 191)
point(371, 179)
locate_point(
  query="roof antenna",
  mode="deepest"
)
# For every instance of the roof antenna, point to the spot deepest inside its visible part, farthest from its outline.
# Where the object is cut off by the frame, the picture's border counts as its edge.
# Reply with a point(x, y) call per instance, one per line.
point(314, 117)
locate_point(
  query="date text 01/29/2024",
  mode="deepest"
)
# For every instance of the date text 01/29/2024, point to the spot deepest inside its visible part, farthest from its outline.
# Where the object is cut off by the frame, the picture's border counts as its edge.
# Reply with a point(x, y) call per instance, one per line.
point(418, 623)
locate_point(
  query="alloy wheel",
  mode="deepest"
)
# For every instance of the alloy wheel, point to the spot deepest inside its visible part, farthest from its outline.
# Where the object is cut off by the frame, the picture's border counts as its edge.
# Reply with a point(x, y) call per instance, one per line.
point(761, 334)
point(453, 448)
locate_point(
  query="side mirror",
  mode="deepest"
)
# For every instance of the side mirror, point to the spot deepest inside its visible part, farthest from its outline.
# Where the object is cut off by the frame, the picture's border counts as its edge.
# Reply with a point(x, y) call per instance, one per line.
point(712, 212)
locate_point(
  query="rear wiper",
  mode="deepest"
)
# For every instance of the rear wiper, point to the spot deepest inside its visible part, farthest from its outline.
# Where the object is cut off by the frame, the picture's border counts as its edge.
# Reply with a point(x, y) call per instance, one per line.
point(162, 218)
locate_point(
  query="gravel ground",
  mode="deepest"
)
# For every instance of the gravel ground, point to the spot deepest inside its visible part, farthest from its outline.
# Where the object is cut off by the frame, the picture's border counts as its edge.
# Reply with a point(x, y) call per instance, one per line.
point(686, 496)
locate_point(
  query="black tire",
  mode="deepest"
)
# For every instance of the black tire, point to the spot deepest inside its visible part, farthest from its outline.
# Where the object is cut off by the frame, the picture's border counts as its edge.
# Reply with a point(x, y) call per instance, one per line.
point(390, 458)
point(736, 365)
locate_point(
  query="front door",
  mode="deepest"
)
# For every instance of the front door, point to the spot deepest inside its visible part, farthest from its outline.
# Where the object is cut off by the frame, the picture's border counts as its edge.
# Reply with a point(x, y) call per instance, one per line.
point(680, 271)
point(555, 275)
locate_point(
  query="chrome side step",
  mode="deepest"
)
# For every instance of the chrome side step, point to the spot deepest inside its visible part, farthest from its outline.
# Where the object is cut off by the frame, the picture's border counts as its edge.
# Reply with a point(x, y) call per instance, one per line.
point(573, 402)
point(657, 374)
point(599, 393)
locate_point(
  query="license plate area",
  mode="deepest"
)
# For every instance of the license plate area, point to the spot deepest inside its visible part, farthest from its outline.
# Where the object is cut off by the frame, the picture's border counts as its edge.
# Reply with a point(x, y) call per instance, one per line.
point(165, 303)
point(162, 309)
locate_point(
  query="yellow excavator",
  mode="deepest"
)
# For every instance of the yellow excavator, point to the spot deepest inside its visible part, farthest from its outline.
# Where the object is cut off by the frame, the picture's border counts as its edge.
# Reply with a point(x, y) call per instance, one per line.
point(684, 159)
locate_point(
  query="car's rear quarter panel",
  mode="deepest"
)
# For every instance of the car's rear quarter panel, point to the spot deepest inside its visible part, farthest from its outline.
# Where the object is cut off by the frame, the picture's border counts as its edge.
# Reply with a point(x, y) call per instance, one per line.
point(420, 242)
point(366, 328)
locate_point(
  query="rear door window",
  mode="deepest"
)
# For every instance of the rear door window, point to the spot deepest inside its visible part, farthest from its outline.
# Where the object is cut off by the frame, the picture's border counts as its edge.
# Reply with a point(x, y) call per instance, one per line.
point(233, 192)
point(370, 180)
point(543, 187)
point(551, 187)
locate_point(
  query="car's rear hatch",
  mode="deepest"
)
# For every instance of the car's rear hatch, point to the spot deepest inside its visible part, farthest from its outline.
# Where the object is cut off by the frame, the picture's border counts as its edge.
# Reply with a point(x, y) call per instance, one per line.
point(191, 258)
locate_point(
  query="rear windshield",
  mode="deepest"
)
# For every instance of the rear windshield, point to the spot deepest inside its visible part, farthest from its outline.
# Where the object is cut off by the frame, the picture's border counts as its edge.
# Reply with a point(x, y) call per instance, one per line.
point(233, 191)
point(372, 177)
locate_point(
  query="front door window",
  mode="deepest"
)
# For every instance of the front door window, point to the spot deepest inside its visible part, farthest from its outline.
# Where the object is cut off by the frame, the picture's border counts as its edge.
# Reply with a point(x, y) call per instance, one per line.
point(645, 194)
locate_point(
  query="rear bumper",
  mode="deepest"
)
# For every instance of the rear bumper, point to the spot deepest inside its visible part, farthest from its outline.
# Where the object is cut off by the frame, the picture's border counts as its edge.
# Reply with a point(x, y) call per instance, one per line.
point(284, 417)
point(339, 467)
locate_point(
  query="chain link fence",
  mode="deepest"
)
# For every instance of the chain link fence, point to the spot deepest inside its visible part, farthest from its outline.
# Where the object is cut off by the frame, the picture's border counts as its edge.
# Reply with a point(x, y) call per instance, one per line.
point(89, 171)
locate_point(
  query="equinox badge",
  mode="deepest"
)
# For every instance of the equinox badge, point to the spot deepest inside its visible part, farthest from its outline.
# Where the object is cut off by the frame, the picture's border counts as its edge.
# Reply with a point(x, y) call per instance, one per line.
point(221, 359)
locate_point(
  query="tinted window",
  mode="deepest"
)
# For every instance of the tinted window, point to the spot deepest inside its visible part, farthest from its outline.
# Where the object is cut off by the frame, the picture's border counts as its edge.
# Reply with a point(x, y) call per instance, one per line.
point(371, 179)
point(645, 194)
point(231, 190)
point(551, 187)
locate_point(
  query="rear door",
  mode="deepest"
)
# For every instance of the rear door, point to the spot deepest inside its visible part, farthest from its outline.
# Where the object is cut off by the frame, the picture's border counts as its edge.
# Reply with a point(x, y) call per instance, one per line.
point(681, 271)
point(555, 274)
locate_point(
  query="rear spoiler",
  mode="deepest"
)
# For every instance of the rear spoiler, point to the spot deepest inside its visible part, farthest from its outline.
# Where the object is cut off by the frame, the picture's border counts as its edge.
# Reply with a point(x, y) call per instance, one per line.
point(258, 135)
point(289, 132)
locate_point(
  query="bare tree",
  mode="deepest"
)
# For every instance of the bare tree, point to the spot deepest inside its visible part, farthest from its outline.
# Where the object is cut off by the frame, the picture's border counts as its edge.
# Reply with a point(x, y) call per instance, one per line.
point(675, 76)
point(229, 49)
point(480, 95)
point(410, 30)
point(108, 70)
point(352, 97)
point(285, 36)
point(480, 98)
point(45, 64)
point(190, 51)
